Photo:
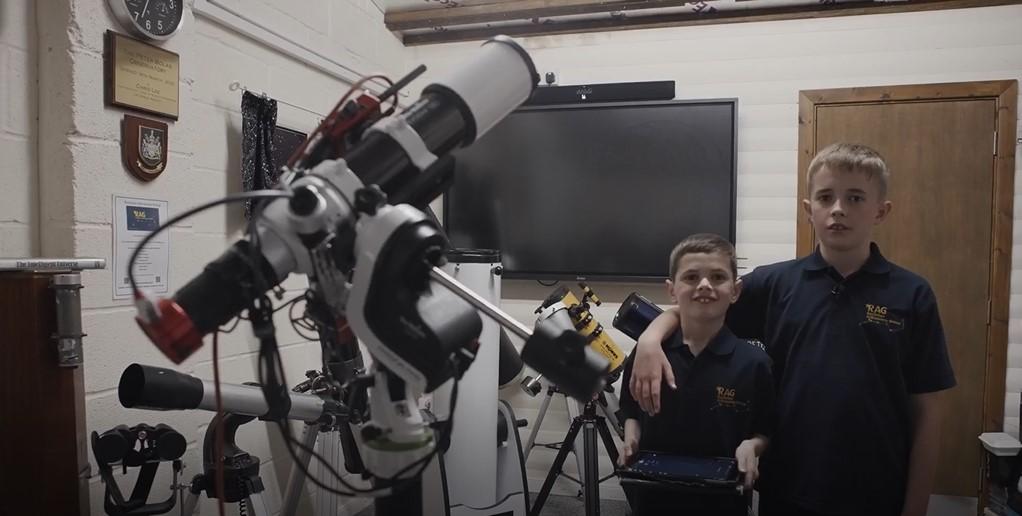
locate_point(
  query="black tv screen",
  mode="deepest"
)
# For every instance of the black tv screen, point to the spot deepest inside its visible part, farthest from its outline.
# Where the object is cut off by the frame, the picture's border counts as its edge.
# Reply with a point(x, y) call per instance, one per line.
point(597, 191)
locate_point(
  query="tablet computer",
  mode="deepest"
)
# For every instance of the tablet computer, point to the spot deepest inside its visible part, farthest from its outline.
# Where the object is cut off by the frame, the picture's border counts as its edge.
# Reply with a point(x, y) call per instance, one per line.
point(680, 469)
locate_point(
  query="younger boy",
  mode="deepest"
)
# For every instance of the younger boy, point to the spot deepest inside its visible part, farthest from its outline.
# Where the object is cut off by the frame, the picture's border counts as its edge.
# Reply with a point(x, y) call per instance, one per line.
point(724, 404)
point(859, 356)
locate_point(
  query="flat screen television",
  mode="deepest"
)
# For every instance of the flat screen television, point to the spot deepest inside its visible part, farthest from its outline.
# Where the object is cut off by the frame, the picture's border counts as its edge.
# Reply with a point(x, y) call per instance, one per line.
point(596, 191)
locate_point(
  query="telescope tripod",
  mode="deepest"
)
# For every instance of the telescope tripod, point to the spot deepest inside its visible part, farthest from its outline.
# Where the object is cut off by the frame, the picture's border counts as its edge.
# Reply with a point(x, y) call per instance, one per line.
point(251, 505)
point(410, 500)
point(242, 484)
point(590, 424)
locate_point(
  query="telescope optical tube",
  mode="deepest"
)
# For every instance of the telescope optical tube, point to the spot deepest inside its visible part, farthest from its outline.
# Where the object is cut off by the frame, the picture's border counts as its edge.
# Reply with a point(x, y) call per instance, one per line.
point(452, 112)
point(156, 388)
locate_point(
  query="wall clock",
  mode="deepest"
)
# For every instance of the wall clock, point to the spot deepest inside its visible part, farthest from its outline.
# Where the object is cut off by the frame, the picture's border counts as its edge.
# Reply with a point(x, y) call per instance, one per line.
point(153, 19)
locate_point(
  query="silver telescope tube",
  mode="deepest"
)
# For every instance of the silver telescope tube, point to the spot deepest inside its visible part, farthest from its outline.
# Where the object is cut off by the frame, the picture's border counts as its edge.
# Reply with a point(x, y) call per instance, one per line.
point(157, 388)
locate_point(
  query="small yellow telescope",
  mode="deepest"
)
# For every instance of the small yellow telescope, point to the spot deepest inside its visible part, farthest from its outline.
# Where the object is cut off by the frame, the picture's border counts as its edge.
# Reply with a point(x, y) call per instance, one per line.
point(568, 310)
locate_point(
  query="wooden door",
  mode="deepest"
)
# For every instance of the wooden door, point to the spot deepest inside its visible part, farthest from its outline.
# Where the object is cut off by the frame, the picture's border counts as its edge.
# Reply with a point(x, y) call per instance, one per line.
point(947, 186)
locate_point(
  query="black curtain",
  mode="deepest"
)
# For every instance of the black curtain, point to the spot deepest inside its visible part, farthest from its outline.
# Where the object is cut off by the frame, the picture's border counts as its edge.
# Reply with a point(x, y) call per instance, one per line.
point(259, 118)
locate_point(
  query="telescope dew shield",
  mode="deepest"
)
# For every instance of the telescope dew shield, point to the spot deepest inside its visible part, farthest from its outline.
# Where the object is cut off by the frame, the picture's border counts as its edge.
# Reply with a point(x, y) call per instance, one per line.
point(156, 388)
point(452, 112)
point(220, 292)
point(496, 80)
point(635, 314)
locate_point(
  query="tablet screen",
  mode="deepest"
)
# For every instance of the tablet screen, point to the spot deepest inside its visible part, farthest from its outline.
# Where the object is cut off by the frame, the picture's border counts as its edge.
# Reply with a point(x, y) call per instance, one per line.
point(676, 467)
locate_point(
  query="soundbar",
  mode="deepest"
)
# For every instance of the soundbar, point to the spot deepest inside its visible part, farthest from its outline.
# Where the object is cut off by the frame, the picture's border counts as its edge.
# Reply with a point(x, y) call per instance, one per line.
point(610, 92)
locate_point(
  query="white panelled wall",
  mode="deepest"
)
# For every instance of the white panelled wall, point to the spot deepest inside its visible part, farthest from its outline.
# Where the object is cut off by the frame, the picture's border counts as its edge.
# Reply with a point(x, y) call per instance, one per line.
point(765, 65)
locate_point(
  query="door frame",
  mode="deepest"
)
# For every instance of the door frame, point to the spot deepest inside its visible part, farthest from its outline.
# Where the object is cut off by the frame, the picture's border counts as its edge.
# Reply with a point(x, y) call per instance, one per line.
point(1005, 94)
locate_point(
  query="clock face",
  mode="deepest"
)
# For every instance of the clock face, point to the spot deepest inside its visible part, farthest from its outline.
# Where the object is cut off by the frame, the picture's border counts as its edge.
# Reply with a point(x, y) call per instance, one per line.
point(157, 19)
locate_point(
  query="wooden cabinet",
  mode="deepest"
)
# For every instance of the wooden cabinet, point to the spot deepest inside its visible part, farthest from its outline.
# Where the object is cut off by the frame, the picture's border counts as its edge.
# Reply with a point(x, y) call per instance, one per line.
point(44, 468)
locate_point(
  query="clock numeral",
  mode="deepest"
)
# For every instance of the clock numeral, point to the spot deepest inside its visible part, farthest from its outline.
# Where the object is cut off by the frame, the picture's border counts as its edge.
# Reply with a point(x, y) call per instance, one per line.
point(148, 25)
point(159, 24)
point(136, 15)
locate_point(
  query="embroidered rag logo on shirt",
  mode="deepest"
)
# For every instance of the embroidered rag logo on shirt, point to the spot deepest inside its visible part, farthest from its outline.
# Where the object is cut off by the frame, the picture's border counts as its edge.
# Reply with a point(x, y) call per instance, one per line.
point(879, 314)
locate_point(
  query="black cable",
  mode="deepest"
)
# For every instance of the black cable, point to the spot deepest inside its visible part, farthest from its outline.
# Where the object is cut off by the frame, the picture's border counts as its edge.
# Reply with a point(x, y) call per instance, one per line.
point(271, 376)
point(255, 194)
point(218, 446)
point(270, 366)
point(548, 284)
point(270, 363)
point(290, 441)
point(395, 483)
point(290, 302)
point(395, 480)
point(298, 329)
point(237, 321)
point(241, 316)
point(442, 437)
point(303, 319)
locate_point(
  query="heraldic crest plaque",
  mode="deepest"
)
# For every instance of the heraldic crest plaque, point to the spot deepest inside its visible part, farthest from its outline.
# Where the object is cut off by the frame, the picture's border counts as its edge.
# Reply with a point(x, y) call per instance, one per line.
point(144, 146)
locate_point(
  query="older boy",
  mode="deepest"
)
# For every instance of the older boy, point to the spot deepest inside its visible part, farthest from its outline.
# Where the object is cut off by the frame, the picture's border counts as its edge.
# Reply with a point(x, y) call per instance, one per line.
point(859, 356)
point(725, 404)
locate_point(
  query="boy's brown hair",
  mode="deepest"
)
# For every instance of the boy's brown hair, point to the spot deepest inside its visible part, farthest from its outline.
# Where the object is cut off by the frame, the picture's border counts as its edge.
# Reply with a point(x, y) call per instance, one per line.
point(851, 157)
point(704, 243)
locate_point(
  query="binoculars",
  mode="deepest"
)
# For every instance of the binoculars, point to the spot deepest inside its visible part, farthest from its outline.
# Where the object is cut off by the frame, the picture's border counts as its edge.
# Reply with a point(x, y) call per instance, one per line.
point(138, 445)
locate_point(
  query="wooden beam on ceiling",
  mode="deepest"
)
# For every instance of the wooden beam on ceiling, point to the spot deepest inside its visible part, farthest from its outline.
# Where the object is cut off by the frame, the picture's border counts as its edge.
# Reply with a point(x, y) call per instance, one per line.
point(692, 19)
point(513, 10)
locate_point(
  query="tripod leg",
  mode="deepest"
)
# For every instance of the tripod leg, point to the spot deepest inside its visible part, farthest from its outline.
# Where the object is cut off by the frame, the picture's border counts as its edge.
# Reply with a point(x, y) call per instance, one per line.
point(296, 479)
point(406, 502)
point(608, 441)
point(539, 421)
point(576, 409)
point(189, 502)
point(555, 468)
point(608, 412)
point(592, 469)
point(256, 506)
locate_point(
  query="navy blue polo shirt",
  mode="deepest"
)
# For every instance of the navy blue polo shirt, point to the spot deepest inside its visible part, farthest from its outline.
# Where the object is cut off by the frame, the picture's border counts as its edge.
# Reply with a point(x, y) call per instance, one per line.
point(724, 396)
point(848, 354)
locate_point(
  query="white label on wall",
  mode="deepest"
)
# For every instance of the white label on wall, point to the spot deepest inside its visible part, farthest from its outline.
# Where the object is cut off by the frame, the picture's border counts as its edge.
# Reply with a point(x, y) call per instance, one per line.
point(133, 220)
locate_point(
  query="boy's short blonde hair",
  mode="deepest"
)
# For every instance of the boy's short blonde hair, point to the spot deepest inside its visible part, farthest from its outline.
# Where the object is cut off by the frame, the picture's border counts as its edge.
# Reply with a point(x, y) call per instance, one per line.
point(704, 243)
point(851, 157)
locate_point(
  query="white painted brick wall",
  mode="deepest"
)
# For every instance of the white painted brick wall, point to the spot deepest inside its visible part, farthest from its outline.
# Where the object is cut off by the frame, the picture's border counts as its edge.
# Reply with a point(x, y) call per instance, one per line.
point(18, 135)
point(764, 65)
point(81, 163)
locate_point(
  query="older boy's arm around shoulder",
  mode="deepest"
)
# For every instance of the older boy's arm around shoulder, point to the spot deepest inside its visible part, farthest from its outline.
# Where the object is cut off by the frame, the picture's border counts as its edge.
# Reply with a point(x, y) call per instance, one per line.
point(747, 455)
point(930, 374)
point(630, 444)
point(651, 366)
point(751, 449)
point(926, 413)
